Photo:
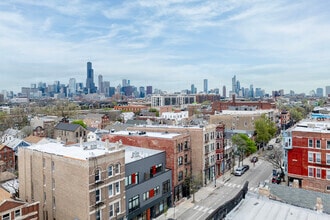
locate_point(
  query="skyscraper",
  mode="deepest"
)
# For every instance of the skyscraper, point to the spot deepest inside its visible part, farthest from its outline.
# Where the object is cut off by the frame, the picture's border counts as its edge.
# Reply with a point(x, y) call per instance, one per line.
point(319, 92)
point(72, 86)
point(327, 91)
point(233, 84)
point(205, 86)
point(192, 89)
point(100, 89)
point(224, 94)
point(90, 86)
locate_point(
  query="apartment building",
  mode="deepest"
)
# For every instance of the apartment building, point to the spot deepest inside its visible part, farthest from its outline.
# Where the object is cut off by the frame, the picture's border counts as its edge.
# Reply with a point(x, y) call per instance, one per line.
point(148, 183)
point(307, 154)
point(207, 148)
point(81, 181)
point(70, 133)
point(178, 154)
point(172, 99)
point(19, 210)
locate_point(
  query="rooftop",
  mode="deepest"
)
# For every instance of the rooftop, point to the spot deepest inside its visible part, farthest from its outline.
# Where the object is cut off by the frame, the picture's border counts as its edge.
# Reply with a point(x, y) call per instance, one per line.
point(312, 125)
point(137, 153)
point(81, 152)
point(148, 134)
point(263, 208)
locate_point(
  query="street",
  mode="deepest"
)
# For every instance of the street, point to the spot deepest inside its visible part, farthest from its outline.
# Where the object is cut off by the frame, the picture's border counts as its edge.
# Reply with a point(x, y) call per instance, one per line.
point(209, 198)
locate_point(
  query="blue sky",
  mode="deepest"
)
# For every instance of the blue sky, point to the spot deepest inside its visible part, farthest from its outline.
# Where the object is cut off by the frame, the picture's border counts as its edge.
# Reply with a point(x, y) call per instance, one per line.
point(169, 44)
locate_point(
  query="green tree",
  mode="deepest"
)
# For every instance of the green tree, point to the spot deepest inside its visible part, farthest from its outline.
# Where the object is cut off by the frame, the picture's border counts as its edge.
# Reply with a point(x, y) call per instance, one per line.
point(80, 122)
point(265, 130)
point(296, 115)
point(245, 146)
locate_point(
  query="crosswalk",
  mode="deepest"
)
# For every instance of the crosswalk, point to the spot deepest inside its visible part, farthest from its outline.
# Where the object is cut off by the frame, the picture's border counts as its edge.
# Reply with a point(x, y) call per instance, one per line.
point(233, 185)
point(203, 209)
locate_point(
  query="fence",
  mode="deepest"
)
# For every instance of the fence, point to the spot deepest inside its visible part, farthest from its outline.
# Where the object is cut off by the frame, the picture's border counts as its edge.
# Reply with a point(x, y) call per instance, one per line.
point(223, 210)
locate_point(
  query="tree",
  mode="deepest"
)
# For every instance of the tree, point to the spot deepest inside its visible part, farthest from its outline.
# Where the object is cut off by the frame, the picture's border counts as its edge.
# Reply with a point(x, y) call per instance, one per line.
point(194, 182)
point(296, 115)
point(245, 146)
point(275, 157)
point(80, 122)
point(265, 130)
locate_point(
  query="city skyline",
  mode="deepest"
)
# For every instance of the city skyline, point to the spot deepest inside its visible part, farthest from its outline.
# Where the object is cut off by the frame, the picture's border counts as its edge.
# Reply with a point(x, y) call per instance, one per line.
point(167, 44)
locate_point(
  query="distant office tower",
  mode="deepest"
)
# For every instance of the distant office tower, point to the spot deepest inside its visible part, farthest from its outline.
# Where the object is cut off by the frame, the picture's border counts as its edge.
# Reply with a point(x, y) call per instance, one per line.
point(224, 93)
point(192, 89)
point(106, 88)
point(72, 86)
point(319, 92)
point(90, 86)
point(251, 91)
point(142, 92)
point(100, 89)
point(327, 91)
point(149, 90)
point(124, 83)
point(205, 86)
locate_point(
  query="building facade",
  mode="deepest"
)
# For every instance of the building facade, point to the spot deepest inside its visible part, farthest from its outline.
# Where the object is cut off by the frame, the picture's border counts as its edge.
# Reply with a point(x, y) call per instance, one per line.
point(83, 181)
point(148, 183)
point(307, 147)
point(172, 99)
point(178, 154)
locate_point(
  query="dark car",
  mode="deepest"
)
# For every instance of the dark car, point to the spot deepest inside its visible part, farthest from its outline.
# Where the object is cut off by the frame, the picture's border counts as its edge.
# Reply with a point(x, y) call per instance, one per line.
point(270, 147)
point(246, 168)
point(278, 140)
point(254, 159)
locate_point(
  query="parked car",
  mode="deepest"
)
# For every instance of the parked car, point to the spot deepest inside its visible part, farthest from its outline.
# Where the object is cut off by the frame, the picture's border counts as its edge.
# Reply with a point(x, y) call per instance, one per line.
point(270, 147)
point(239, 171)
point(278, 140)
point(254, 159)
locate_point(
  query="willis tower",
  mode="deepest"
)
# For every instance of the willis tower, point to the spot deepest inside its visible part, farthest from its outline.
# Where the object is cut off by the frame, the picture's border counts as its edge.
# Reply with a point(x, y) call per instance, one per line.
point(90, 86)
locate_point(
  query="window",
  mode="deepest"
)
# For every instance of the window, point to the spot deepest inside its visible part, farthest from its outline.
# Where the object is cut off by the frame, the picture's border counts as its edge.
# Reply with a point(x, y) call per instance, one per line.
point(117, 168)
point(180, 161)
point(318, 143)
point(186, 158)
point(117, 188)
point(132, 179)
point(318, 157)
point(310, 171)
point(117, 207)
point(17, 213)
point(6, 216)
point(310, 157)
point(166, 186)
point(43, 162)
point(54, 204)
point(133, 203)
point(44, 180)
point(328, 174)
point(318, 173)
point(328, 145)
point(328, 188)
point(180, 147)
point(310, 143)
point(111, 210)
point(97, 175)
point(110, 170)
point(98, 215)
point(110, 190)
point(180, 177)
point(328, 159)
point(53, 166)
point(53, 183)
point(97, 195)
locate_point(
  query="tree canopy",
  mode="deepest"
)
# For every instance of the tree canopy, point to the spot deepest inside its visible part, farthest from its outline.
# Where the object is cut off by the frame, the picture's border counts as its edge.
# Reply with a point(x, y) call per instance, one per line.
point(244, 144)
point(80, 122)
point(265, 129)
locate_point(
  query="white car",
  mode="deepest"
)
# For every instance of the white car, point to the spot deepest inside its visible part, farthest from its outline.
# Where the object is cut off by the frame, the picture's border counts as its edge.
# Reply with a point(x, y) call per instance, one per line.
point(239, 171)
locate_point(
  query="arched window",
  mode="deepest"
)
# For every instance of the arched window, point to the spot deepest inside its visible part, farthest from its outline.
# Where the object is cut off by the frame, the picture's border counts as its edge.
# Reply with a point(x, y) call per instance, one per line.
point(110, 171)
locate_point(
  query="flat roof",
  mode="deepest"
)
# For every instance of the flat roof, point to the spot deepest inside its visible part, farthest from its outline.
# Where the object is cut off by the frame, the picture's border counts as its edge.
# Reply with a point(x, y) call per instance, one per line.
point(238, 112)
point(312, 125)
point(84, 152)
point(148, 134)
point(252, 208)
point(137, 153)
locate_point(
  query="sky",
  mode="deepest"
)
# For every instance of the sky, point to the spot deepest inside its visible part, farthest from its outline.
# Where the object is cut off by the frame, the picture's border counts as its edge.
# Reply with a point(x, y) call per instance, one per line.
point(169, 44)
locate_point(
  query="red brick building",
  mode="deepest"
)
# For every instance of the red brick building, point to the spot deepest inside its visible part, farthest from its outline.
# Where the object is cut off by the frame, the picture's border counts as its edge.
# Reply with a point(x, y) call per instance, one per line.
point(15, 209)
point(224, 105)
point(131, 108)
point(7, 156)
point(178, 153)
point(308, 155)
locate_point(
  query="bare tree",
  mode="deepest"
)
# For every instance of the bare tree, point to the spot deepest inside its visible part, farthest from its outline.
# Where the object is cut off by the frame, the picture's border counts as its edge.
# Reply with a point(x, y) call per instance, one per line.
point(275, 157)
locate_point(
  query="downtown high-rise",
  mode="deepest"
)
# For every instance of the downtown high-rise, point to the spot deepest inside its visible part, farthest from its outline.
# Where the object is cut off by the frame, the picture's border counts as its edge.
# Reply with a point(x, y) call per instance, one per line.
point(90, 86)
